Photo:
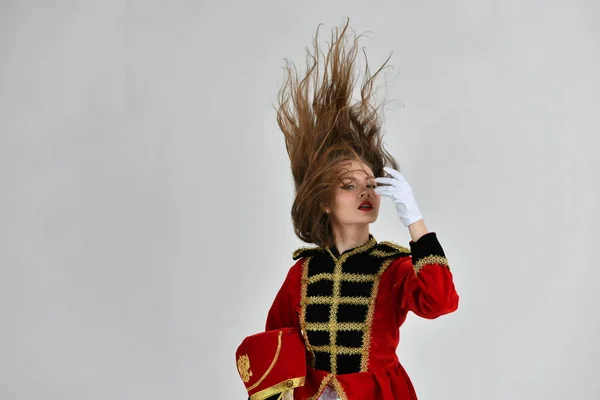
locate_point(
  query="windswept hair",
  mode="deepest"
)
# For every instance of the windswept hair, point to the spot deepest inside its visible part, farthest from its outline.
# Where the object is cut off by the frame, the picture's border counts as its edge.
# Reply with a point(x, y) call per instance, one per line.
point(323, 127)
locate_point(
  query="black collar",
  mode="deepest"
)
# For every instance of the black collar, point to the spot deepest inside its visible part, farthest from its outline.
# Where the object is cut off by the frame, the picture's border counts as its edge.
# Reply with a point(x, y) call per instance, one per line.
point(371, 241)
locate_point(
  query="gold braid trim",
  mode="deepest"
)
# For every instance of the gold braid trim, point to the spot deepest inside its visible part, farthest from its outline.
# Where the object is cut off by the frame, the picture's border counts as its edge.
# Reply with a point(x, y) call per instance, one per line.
point(339, 389)
point(364, 361)
point(272, 363)
point(337, 272)
point(343, 300)
point(356, 278)
point(396, 246)
point(341, 326)
point(432, 259)
point(333, 324)
point(334, 350)
point(336, 385)
point(281, 387)
point(318, 277)
point(303, 289)
point(381, 253)
point(324, 383)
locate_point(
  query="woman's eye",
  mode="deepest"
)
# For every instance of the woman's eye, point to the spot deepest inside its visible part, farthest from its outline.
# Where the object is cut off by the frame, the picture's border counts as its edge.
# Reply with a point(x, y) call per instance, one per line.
point(351, 186)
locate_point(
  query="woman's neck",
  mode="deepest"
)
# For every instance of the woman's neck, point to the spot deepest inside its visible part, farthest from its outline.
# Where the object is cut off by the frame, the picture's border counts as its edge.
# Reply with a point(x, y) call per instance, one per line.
point(350, 237)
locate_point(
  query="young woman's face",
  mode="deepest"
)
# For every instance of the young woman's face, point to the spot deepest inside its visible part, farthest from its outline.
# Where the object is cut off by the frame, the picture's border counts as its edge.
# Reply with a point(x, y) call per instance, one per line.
point(354, 200)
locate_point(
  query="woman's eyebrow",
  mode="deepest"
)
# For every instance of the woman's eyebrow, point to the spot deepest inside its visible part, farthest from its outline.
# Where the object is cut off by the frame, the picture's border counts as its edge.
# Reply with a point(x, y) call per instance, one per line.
point(352, 177)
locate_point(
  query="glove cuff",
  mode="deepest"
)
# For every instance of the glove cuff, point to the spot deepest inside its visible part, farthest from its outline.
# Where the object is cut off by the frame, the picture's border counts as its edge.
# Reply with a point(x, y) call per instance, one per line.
point(408, 212)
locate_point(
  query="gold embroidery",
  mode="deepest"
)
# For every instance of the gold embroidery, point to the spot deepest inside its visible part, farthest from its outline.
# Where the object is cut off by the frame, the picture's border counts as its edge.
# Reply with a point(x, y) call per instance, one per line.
point(303, 289)
point(333, 326)
point(381, 253)
point(243, 365)
point(339, 389)
point(341, 300)
point(337, 277)
point(318, 277)
point(432, 259)
point(341, 326)
point(337, 273)
point(356, 278)
point(364, 362)
point(272, 363)
point(338, 350)
point(396, 246)
point(324, 383)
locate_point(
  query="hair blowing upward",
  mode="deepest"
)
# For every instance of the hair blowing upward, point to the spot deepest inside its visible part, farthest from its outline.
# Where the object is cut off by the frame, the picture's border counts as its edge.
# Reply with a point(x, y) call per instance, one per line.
point(323, 127)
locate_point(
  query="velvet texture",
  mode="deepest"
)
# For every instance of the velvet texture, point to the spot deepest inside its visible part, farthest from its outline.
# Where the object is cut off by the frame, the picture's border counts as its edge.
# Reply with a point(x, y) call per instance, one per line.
point(271, 362)
point(350, 308)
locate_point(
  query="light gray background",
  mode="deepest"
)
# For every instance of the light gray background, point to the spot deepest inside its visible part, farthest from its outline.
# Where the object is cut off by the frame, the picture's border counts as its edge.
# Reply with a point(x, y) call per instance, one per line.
point(144, 212)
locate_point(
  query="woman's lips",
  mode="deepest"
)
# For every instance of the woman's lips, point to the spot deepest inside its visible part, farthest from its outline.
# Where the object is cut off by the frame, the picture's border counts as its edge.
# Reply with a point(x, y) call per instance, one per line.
point(365, 206)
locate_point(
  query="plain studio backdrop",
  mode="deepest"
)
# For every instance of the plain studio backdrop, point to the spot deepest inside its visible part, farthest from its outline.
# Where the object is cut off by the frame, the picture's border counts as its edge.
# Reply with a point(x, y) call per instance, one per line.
point(145, 206)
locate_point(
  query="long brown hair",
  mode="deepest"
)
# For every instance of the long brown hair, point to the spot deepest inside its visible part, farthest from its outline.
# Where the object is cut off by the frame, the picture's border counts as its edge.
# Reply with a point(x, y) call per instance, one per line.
point(323, 128)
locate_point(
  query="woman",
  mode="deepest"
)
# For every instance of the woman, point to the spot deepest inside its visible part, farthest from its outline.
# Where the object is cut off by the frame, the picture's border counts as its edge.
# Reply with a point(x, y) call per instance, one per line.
point(349, 294)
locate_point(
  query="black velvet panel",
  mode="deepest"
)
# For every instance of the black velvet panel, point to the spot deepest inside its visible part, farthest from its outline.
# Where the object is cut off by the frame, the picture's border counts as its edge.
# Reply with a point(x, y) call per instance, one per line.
point(320, 288)
point(318, 338)
point(427, 245)
point(322, 361)
point(320, 264)
point(347, 364)
point(356, 289)
point(349, 338)
point(317, 312)
point(351, 313)
point(360, 264)
point(335, 251)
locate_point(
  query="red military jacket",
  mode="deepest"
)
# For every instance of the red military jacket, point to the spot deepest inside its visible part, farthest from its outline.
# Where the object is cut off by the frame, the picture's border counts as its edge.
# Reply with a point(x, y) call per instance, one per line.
point(350, 307)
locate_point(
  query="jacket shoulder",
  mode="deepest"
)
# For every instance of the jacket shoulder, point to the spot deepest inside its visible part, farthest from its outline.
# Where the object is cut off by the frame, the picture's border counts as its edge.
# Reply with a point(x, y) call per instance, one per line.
point(304, 252)
point(388, 249)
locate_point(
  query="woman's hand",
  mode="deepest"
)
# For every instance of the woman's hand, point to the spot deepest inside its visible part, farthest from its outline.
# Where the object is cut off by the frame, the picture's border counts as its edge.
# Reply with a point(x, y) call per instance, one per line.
point(398, 189)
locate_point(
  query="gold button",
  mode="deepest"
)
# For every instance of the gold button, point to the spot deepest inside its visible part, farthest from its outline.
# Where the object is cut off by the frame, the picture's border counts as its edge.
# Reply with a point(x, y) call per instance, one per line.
point(290, 383)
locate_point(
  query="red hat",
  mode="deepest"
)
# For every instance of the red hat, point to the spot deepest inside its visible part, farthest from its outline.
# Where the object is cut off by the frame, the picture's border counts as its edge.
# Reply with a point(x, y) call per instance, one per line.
point(272, 362)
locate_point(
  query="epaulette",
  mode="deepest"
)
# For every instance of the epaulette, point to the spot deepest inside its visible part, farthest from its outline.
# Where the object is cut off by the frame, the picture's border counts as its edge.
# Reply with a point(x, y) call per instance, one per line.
point(306, 252)
point(389, 250)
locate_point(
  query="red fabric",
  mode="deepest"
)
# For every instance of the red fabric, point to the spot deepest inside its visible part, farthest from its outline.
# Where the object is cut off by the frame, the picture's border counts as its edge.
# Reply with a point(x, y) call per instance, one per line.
point(261, 350)
point(285, 311)
point(428, 294)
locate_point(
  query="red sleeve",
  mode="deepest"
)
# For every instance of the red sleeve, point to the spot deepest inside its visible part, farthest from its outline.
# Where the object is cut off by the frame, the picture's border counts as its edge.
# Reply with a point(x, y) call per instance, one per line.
point(285, 310)
point(427, 285)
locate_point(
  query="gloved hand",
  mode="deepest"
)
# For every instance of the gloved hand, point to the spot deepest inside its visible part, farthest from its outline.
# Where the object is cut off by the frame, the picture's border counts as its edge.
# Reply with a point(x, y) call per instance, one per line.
point(401, 192)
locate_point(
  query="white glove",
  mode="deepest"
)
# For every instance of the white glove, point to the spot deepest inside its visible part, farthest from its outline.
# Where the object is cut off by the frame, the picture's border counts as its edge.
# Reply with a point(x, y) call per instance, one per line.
point(400, 191)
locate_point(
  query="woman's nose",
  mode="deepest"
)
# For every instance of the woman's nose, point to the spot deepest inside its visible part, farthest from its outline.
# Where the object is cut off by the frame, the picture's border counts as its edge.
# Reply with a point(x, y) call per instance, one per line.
point(369, 191)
